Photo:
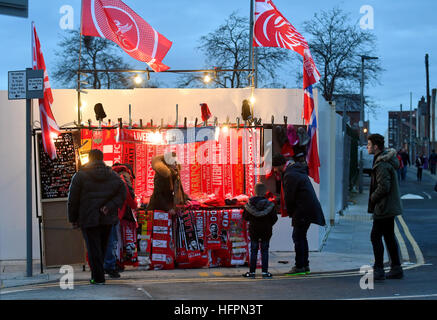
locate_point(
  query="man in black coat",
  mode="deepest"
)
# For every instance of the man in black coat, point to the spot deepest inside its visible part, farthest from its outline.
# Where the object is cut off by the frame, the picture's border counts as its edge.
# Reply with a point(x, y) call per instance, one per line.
point(301, 203)
point(95, 195)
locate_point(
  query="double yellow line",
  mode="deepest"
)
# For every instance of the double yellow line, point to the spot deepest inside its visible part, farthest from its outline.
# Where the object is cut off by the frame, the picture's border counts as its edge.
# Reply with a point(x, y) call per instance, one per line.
point(403, 248)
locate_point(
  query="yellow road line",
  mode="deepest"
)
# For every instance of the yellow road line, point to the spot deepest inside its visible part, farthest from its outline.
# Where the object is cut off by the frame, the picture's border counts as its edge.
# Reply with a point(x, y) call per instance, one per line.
point(203, 274)
point(402, 246)
point(417, 252)
point(218, 274)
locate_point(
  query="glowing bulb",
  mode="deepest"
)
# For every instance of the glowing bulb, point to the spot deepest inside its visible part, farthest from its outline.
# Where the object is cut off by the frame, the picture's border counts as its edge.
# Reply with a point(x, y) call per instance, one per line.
point(365, 130)
point(138, 79)
point(53, 135)
point(252, 100)
point(84, 158)
point(225, 129)
point(207, 78)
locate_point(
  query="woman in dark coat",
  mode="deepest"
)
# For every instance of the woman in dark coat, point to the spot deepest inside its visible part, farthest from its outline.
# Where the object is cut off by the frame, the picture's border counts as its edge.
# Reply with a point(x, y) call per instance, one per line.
point(168, 191)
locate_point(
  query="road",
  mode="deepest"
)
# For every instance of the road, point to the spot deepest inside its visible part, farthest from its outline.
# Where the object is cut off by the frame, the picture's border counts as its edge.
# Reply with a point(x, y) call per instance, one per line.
point(418, 228)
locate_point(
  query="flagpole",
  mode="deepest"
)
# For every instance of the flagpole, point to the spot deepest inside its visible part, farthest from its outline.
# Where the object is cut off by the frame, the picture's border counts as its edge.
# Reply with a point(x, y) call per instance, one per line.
point(251, 53)
point(78, 70)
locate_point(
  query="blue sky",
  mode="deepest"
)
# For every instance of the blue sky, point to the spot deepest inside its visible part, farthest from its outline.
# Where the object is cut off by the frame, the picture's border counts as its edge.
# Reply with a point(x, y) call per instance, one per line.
point(405, 30)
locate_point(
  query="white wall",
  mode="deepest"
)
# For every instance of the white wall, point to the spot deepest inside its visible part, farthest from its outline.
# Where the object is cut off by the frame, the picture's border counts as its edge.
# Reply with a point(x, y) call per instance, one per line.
point(146, 104)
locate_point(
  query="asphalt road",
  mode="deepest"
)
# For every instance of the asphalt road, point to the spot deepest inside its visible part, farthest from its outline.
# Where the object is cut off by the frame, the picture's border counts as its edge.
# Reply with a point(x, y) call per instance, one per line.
point(419, 283)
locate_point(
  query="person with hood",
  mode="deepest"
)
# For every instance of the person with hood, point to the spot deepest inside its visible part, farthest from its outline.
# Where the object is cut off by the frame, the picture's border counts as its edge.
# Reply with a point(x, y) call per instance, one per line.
point(167, 191)
point(384, 205)
point(301, 203)
point(125, 212)
point(95, 195)
point(262, 215)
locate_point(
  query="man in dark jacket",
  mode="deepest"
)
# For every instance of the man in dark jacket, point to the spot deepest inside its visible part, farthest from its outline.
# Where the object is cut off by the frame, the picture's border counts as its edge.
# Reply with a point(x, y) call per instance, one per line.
point(262, 215)
point(95, 195)
point(385, 204)
point(301, 203)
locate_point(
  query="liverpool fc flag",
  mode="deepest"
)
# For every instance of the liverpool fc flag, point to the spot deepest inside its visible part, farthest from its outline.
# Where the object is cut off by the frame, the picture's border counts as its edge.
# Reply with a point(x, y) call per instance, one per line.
point(49, 127)
point(114, 20)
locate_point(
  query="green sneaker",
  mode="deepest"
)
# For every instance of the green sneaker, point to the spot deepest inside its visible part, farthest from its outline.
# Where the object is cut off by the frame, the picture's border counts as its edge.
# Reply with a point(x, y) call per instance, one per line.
point(296, 271)
point(92, 281)
point(307, 270)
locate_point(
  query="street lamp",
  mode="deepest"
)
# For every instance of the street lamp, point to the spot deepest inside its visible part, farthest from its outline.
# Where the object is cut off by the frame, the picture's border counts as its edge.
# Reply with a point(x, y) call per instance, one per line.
point(361, 124)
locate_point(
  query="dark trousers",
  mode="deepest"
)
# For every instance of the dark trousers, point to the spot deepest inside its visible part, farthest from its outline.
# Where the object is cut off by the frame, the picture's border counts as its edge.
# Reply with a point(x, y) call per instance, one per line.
point(432, 168)
point(254, 246)
point(96, 239)
point(301, 245)
point(419, 174)
point(384, 228)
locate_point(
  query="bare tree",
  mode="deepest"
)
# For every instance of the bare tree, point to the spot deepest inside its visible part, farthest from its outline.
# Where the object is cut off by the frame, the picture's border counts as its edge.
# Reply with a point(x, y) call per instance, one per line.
point(97, 53)
point(227, 47)
point(336, 44)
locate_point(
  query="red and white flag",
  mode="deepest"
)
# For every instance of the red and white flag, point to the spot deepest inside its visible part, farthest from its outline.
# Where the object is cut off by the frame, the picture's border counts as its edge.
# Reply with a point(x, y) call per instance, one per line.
point(49, 128)
point(115, 21)
point(273, 30)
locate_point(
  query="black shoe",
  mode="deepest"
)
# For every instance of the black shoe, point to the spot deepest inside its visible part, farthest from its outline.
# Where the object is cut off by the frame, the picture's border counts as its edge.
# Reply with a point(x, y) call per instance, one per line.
point(92, 281)
point(378, 274)
point(267, 275)
point(249, 275)
point(307, 270)
point(295, 271)
point(395, 272)
point(113, 273)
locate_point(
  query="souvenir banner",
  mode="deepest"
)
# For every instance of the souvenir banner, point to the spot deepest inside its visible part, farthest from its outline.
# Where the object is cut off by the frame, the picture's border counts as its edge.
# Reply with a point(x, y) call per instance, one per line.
point(129, 254)
point(140, 170)
point(248, 158)
point(162, 245)
point(213, 229)
point(237, 238)
point(191, 242)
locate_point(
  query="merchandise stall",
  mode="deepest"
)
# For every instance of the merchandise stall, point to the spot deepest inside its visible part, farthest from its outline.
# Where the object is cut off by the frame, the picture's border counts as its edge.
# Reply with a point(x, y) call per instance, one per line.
point(218, 171)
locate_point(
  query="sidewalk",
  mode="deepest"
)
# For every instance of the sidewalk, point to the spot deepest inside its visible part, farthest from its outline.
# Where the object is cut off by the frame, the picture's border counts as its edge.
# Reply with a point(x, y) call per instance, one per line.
point(347, 247)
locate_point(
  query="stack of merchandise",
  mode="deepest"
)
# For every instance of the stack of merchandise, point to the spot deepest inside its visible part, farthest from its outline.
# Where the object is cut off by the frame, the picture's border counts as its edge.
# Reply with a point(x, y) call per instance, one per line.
point(163, 253)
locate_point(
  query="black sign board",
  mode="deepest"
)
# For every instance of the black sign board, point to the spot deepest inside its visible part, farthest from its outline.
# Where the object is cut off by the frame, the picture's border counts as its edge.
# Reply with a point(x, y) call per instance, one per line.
point(55, 175)
point(18, 8)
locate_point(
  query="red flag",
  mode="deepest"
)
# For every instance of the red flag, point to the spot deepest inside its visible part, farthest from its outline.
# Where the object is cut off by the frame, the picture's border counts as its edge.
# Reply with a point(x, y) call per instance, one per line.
point(114, 20)
point(49, 127)
point(273, 30)
point(313, 151)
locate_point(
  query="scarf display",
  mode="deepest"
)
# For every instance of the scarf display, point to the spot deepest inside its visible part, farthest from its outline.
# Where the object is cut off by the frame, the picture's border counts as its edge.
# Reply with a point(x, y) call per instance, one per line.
point(163, 254)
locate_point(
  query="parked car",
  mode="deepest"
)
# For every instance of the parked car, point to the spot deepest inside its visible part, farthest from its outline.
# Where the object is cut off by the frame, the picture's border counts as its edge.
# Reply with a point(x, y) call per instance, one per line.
point(367, 160)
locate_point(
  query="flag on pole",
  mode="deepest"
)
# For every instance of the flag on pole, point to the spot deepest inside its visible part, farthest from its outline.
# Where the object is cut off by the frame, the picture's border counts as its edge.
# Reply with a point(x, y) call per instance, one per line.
point(308, 102)
point(115, 21)
point(273, 30)
point(313, 151)
point(49, 128)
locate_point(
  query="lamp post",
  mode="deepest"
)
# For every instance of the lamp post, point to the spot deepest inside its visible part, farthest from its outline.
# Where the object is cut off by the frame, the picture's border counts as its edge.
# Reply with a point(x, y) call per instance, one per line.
point(361, 124)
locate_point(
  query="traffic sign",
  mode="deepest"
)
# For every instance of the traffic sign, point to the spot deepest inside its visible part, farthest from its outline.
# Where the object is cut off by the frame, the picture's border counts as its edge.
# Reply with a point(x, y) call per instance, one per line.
point(25, 84)
point(16, 85)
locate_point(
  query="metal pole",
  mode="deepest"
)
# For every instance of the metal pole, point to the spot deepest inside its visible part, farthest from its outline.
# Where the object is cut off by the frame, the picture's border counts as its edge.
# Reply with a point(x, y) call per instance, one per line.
point(34, 137)
point(411, 124)
point(361, 124)
point(428, 105)
point(251, 41)
point(401, 135)
point(79, 120)
point(29, 264)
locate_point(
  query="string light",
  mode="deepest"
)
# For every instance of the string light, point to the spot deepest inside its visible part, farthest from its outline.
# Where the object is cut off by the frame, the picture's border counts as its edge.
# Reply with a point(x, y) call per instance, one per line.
point(138, 79)
point(207, 78)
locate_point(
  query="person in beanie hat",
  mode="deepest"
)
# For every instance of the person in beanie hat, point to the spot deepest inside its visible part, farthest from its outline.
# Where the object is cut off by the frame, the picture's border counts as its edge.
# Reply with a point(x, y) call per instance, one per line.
point(262, 215)
point(301, 203)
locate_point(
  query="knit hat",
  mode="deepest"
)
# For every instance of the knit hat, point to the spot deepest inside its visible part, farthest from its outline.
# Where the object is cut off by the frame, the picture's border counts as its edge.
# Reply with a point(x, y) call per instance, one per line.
point(278, 160)
point(260, 189)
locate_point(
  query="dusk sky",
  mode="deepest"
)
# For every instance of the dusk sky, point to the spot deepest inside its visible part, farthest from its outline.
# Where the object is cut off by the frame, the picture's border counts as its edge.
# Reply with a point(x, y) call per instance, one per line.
point(405, 31)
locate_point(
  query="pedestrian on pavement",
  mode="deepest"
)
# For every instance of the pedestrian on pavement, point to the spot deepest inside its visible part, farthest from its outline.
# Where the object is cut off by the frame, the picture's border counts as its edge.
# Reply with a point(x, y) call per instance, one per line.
point(301, 203)
point(385, 204)
point(433, 161)
point(419, 164)
point(95, 195)
point(110, 264)
point(401, 165)
point(168, 191)
point(406, 161)
point(261, 214)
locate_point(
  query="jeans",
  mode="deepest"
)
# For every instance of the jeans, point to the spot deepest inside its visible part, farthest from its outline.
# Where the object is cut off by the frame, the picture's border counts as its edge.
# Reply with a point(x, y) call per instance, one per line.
point(96, 239)
point(301, 245)
point(384, 228)
point(254, 245)
point(404, 173)
point(111, 253)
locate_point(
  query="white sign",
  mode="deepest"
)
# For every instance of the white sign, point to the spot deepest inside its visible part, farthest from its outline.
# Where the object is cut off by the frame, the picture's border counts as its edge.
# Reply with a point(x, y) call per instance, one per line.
point(16, 85)
point(35, 84)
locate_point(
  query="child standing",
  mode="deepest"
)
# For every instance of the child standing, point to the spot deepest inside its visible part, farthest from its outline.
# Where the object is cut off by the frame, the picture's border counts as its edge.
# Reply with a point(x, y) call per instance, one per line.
point(261, 214)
